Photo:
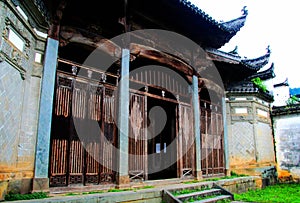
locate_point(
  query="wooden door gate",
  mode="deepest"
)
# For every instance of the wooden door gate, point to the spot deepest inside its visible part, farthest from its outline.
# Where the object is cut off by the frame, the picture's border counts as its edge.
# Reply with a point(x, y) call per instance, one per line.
point(83, 136)
point(212, 143)
point(186, 142)
point(137, 151)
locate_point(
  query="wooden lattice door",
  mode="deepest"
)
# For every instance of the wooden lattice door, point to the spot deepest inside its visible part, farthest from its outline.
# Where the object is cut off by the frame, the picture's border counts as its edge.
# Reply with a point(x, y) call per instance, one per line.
point(212, 140)
point(138, 168)
point(83, 136)
point(186, 142)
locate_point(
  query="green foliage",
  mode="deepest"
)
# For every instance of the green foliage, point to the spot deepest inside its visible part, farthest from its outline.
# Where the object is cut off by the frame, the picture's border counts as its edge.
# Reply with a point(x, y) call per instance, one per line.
point(280, 193)
point(110, 190)
point(71, 194)
point(199, 198)
point(260, 84)
point(35, 195)
point(293, 100)
point(119, 190)
point(235, 175)
point(92, 192)
point(224, 201)
point(192, 181)
point(188, 191)
point(147, 187)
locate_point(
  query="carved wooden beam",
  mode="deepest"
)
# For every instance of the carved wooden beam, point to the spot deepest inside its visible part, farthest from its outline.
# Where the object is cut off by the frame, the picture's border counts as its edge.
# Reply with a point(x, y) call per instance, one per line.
point(158, 56)
point(73, 35)
point(210, 85)
point(69, 34)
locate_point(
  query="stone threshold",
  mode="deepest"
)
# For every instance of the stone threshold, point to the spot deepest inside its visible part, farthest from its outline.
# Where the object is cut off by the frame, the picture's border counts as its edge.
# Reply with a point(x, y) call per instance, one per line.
point(153, 195)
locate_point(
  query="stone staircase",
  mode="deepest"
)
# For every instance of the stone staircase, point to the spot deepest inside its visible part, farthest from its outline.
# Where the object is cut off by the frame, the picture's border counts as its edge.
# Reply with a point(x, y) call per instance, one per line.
point(198, 195)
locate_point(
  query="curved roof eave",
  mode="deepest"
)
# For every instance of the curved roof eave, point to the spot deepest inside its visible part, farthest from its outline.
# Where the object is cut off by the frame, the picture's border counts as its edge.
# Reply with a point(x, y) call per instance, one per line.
point(253, 64)
point(264, 75)
point(227, 30)
point(233, 26)
point(257, 63)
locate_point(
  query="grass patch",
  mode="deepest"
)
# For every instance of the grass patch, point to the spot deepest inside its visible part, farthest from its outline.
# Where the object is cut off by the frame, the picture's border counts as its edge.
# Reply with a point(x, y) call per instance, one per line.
point(188, 191)
point(232, 175)
point(192, 181)
point(110, 190)
point(199, 198)
point(35, 195)
point(280, 193)
point(147, 187)
point(119, 190)
point(92, 192)
point(83, 193)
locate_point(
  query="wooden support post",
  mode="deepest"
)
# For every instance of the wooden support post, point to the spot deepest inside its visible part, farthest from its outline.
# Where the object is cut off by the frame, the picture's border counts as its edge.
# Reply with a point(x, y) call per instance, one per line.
point(123, 121)
point(196, 110)
point(41, 180)
point(226, 149)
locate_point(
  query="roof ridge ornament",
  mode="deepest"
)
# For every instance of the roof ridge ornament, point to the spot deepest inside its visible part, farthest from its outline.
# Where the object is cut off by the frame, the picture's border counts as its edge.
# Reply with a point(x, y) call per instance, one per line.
point(245, 10)
point(284, 83)
point(234, 25)
point(234, 51)
point(268, 49)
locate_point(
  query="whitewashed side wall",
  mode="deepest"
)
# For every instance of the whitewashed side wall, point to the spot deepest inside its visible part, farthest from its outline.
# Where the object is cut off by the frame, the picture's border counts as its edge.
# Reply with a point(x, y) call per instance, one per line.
point(287, 142)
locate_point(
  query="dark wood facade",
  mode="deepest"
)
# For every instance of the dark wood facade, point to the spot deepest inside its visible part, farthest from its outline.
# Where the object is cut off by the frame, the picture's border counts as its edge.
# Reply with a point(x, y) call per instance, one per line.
point(84, 130)
point(85, 137)
point(173, 119)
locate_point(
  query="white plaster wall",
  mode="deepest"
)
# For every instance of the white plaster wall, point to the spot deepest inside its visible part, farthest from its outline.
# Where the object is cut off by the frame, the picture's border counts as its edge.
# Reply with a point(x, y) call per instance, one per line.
point(281, 95)
point(287, 142)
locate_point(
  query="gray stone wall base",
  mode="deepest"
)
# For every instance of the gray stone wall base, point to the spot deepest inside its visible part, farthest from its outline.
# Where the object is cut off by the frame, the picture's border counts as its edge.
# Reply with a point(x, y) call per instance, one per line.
point(40, 185)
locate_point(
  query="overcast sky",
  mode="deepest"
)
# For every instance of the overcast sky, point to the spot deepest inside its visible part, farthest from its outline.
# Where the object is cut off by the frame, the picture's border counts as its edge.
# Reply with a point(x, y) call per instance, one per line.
point(269, 22)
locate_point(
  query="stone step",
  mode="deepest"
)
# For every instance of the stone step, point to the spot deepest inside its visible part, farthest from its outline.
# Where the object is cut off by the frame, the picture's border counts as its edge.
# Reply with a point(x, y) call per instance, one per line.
point(203, 193)
point(214, 199)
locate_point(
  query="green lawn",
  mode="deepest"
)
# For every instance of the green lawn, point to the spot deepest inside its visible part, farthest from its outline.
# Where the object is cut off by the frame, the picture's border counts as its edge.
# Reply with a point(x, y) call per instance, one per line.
point(285, 193)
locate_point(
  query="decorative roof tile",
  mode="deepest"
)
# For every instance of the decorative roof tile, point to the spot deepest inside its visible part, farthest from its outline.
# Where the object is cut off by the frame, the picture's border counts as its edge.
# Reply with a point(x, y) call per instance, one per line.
point(227, 29)
point(215, 52)
point(257, 63)
point(285, 110)
point(253, 64)
point(233, 26)
point(248, 87)
point(264, 75)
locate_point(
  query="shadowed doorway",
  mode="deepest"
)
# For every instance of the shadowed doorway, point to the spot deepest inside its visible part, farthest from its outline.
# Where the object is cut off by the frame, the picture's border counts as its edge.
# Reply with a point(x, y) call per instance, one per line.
point(162, 145)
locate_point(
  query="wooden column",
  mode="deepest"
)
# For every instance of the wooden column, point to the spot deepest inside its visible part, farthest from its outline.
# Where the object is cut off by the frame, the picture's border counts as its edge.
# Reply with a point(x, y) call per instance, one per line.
point(41, 180)
point(123, 120)
point(226, 149)
point(196, 111)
